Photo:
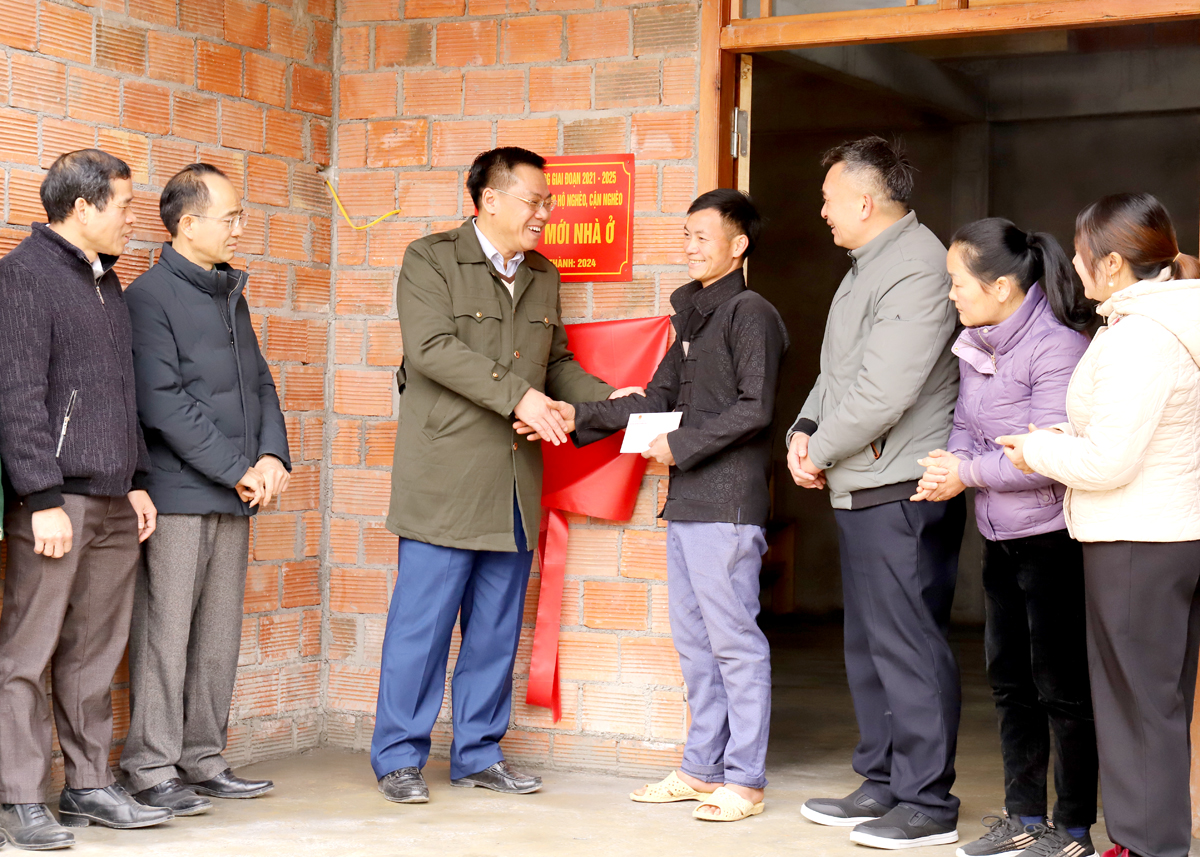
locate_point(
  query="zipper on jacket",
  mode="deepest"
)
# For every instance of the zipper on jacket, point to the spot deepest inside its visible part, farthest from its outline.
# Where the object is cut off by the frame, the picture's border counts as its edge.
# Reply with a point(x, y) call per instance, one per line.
point(230, 303)
point(62, 435)
point(99, 295)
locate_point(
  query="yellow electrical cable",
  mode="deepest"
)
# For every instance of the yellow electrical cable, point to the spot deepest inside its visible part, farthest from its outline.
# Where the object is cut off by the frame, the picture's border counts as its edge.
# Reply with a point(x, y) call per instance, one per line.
point(342, 209)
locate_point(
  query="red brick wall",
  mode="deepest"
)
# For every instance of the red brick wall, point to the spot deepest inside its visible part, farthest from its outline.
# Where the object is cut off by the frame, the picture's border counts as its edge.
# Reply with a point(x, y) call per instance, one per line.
point(420, 90)
point(422, 87)
point(247, 86)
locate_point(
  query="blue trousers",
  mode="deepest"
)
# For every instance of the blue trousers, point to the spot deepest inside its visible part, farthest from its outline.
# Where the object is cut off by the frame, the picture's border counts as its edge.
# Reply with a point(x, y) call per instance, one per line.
point(485, 590)
point(712, 595)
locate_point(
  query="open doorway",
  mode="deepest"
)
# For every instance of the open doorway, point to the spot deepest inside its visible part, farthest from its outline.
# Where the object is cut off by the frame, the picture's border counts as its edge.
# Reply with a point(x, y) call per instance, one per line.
point(1029, 126)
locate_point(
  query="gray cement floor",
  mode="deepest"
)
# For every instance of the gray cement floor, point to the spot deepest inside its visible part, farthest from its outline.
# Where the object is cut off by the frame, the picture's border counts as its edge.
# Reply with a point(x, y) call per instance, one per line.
point(325, 802)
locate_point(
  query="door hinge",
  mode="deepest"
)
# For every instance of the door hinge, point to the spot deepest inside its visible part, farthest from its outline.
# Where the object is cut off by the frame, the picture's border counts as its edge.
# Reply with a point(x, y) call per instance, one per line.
point(739, 142)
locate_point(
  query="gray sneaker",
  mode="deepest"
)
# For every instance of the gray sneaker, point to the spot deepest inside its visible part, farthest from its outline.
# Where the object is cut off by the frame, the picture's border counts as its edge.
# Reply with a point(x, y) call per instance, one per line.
point(1055, 842)
point(854, 808)
point(1006, 837)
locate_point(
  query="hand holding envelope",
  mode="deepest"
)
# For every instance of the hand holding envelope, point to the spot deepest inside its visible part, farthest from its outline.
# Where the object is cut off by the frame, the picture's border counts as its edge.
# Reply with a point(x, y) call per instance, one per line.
point(644, 430)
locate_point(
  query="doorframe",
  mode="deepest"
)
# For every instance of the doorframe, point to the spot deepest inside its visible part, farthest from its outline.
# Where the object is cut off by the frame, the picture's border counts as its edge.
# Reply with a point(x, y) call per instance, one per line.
point(725, 36)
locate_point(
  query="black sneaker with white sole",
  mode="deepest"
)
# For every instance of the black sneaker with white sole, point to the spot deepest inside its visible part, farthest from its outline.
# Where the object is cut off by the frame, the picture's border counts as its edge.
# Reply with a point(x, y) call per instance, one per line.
point(1056, 842)
point(854, 808)
point(1006, 837)
point(903, 827)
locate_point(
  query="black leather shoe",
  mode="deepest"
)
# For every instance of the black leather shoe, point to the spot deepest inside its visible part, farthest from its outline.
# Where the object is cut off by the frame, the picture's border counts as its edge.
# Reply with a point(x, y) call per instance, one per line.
point(110, 806)
point(500, 777)
point(227, 785)
point(32, 827)
point(405, 785)
point(175, 796)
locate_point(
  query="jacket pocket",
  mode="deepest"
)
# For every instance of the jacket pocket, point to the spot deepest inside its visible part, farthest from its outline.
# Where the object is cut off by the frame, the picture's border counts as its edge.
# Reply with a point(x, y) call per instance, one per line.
point(543, 319)
point(478, 322)
point(162, 458)
point(475, 307)
point(449, 413)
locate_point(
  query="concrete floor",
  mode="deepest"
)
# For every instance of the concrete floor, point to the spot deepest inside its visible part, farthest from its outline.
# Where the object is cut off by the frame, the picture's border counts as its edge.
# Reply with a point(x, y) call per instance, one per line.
point(325, 802)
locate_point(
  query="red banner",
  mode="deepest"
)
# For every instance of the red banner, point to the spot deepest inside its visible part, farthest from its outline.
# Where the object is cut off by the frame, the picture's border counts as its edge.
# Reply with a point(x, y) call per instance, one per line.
point(590, 234)
point(596, 480)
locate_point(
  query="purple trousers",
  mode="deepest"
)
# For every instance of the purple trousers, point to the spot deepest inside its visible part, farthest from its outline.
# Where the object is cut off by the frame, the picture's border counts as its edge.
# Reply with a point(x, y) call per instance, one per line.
point(712, 588)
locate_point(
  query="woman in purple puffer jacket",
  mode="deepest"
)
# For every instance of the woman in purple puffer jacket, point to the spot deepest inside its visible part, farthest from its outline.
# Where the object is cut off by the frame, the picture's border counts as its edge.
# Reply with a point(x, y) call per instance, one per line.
point(1025, 314)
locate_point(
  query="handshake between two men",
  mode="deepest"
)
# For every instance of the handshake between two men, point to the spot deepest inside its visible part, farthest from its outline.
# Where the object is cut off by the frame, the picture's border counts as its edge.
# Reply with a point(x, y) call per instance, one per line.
point(541, 418)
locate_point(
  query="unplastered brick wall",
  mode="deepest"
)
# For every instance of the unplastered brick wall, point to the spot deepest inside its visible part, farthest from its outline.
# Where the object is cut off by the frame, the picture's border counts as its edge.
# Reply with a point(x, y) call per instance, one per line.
point(247, 86)
point(422, 86)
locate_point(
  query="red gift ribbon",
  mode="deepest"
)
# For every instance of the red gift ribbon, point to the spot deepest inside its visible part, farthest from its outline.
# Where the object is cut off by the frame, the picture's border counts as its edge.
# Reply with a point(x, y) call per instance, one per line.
point(596, 480)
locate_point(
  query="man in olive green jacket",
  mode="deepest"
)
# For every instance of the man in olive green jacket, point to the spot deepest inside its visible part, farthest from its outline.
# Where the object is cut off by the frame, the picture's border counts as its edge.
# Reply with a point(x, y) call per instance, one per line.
point(483, 338)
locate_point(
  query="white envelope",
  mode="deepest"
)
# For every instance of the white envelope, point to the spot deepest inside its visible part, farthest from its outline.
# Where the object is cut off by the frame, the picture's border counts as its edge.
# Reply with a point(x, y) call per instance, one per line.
point(644, 428)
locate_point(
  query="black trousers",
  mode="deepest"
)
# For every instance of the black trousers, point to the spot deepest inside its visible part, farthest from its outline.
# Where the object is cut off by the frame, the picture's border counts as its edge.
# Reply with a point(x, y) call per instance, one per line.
point(1036, 645)
point(899, 567)
point(1143, 622)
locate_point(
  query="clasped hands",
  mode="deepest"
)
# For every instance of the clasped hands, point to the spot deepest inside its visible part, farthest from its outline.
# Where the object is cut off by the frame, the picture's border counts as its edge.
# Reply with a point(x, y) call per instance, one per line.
point(263, 482)
point(941, 480)
point(541, 418)
point(804, 472)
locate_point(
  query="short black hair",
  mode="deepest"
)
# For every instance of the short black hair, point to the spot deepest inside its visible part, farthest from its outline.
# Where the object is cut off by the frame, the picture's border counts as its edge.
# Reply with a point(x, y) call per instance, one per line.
point(186, 193)
point(495, 169)
point(84, 174)
point(737, 211)
point(885, 165)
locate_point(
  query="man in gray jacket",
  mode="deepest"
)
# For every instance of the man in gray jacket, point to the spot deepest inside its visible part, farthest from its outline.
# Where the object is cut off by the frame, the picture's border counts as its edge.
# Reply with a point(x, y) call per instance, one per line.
point(885, 396)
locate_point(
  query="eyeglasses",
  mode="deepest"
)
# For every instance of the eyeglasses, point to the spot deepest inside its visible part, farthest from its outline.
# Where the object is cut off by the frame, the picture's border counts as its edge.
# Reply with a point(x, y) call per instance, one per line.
point(534, 205)
point(231, 223)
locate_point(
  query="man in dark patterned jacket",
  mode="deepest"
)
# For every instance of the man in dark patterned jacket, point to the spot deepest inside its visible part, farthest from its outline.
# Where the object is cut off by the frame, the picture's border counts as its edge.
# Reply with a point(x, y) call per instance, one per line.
point(721, 373)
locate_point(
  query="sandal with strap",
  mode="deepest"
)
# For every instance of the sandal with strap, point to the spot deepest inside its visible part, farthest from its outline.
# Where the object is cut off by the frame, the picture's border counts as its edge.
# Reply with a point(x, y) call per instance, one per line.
point(732, 806)
point(669, 790)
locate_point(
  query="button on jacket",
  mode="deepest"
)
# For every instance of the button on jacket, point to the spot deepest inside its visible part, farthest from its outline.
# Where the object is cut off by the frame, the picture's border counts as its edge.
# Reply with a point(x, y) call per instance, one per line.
point(62, 330)
point(457, 457)
point(724, 384)
point(205, 394)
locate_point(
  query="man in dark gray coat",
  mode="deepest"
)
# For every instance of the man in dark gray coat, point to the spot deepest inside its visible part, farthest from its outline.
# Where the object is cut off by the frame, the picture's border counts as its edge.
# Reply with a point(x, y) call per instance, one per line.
point(219, 451)
point(884, 397)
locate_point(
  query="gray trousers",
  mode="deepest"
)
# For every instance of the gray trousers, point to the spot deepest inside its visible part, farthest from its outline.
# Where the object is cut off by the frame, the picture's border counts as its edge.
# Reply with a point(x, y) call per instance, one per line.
point(1143, 634)
point(71, 614)
point(183, 648)
point(712, 595)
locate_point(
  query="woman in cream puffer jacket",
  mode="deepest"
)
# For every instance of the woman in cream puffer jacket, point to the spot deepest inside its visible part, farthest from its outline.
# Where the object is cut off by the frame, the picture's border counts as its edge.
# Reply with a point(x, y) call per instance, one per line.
point(1130, 458)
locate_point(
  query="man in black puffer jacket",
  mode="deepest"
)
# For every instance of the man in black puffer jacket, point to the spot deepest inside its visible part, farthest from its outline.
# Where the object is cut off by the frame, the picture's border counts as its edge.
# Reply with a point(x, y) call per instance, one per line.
point(219, 451)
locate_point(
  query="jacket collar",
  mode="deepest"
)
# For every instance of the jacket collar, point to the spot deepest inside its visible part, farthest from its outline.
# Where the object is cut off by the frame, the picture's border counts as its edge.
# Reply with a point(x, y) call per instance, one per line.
point(208, 282)
point(863, 256)
point(468, 250)
point(705, 300)
point(69, 252)
point(978, 345)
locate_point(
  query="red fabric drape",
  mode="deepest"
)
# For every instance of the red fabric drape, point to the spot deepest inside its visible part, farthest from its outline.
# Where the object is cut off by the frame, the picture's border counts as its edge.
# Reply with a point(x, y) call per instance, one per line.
point(596, 480)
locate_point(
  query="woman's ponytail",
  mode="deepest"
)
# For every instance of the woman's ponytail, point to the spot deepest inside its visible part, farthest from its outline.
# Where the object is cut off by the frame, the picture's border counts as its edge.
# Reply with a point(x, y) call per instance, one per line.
point(1185, 267)
point(1061, 285)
